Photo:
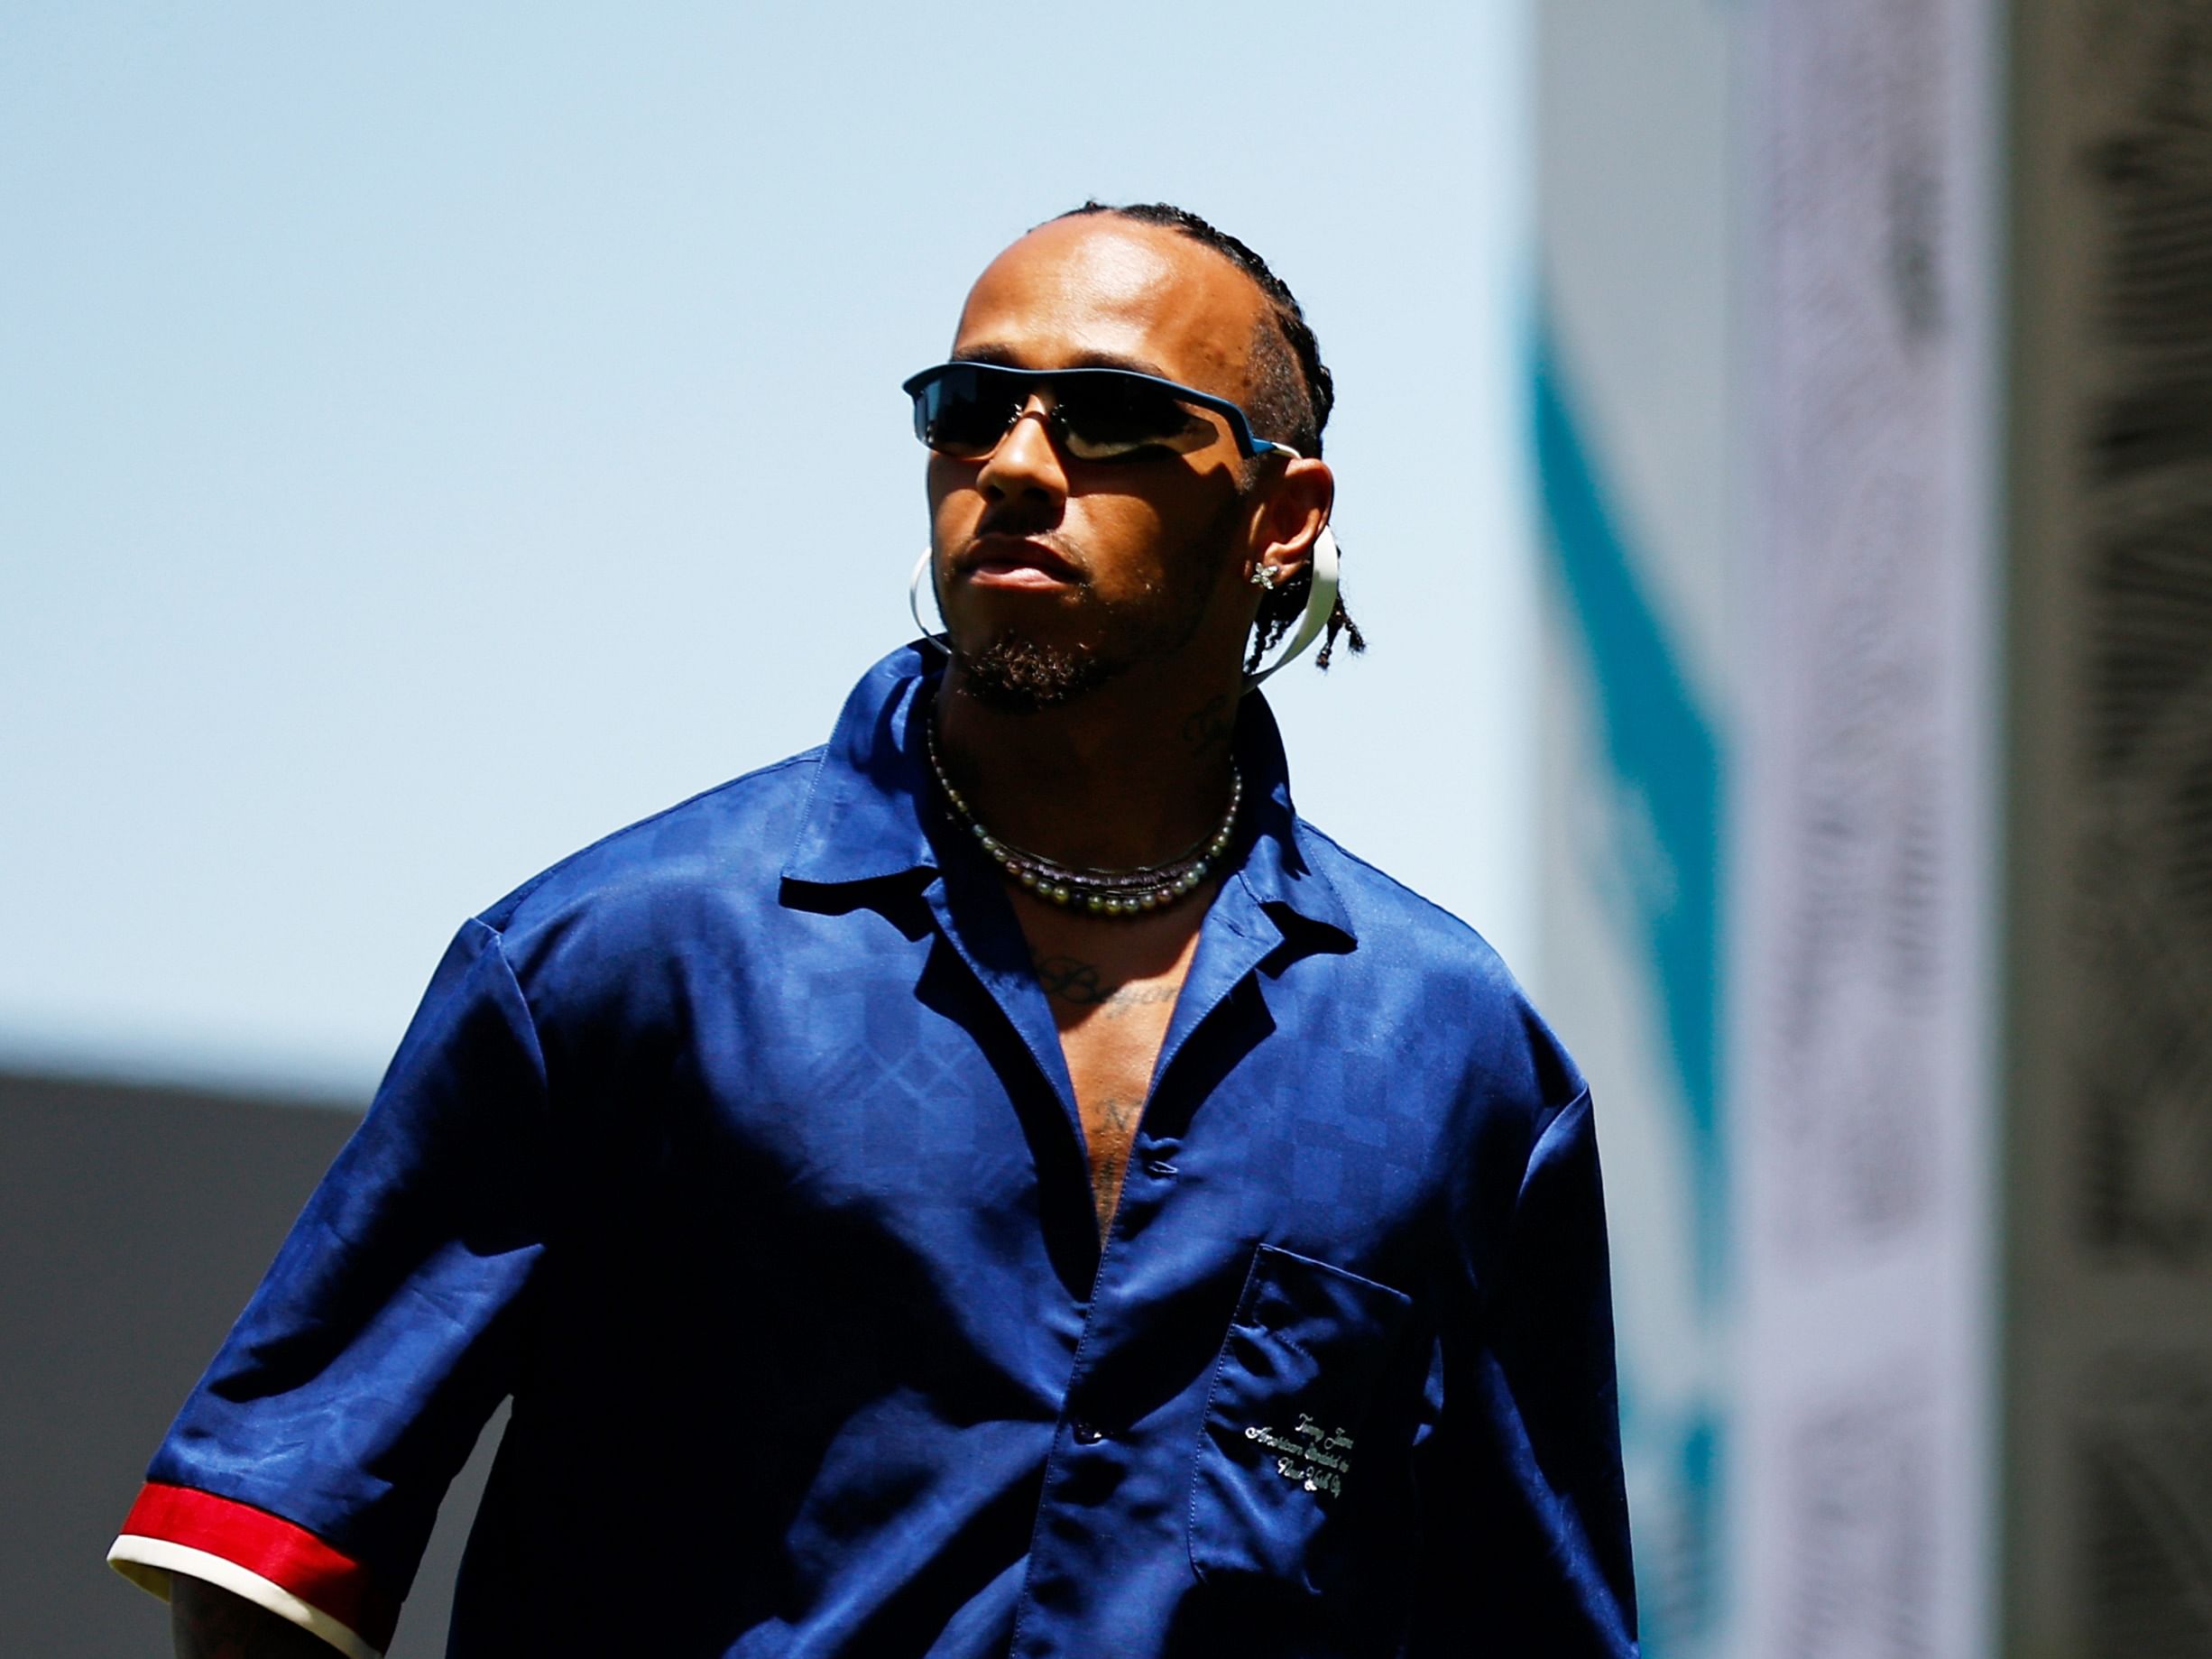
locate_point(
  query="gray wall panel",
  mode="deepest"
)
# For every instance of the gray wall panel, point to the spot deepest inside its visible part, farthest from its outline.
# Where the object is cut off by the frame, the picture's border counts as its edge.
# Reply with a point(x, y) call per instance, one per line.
point(134, 1225)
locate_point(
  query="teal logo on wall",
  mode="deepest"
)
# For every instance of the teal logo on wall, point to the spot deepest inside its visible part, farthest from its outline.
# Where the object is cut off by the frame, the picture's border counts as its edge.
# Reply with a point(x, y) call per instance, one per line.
point(1659, 843)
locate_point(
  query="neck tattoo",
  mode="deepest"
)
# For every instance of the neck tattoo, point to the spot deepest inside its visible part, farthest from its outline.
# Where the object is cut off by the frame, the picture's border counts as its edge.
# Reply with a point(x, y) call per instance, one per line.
point(1131, 893)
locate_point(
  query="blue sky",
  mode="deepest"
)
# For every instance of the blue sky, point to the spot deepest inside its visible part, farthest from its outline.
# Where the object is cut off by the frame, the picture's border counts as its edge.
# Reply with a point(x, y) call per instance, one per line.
point(432, 437)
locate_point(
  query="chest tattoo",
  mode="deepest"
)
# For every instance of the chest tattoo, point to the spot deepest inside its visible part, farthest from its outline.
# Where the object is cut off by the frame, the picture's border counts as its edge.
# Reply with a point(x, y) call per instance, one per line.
point(1110, 1126)
point(1110, 1031)
point(1080, 984)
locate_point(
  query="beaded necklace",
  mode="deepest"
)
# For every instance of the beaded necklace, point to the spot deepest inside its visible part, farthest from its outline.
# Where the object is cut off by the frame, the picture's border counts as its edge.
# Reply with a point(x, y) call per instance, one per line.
point(1130, 893)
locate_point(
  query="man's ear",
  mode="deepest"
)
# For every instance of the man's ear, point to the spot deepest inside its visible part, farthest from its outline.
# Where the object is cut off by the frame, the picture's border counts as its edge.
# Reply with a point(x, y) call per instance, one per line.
point(1292, 511)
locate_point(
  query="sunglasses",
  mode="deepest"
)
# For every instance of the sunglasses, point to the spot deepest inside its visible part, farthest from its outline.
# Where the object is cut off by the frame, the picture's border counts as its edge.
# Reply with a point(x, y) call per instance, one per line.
point(963, 409)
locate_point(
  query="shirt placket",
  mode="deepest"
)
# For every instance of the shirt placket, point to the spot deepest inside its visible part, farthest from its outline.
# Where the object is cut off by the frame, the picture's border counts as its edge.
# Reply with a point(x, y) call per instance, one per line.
point(1074, 1531)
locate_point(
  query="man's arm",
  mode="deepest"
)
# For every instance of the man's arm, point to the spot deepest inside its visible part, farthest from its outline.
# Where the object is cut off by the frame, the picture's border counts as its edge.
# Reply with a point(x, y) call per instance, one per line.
point(305, 1471)
point(209, 1622)
point(1528, 1544)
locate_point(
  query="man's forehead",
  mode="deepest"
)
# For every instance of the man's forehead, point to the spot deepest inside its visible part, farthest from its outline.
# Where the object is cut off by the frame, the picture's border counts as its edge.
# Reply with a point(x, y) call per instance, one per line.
point(1098, 288)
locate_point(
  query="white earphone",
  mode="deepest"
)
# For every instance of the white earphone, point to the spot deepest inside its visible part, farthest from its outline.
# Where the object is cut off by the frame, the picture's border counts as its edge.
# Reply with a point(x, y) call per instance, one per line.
point(1320, 605)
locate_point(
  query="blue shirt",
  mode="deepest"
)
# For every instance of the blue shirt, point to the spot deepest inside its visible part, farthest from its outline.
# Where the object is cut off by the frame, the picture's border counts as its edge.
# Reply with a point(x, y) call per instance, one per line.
point(739, 1149)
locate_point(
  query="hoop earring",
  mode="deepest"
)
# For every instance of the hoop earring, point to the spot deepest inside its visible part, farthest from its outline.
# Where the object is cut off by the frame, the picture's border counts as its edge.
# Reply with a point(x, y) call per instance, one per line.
point(938, 638)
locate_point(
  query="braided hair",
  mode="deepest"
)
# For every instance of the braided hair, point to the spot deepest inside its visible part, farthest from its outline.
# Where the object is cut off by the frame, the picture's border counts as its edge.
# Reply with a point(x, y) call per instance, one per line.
point(1293, 393)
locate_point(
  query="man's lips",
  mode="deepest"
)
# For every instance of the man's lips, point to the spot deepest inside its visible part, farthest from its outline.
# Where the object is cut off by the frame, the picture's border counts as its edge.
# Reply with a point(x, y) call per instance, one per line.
point(1015, 561)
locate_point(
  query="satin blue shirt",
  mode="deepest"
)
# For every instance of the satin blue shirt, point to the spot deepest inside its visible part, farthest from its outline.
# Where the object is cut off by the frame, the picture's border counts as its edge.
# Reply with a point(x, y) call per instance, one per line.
point(739, 1149)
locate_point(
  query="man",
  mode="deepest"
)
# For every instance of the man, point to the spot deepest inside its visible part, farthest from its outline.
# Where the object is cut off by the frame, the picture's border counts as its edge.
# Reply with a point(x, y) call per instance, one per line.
point(997, 1184)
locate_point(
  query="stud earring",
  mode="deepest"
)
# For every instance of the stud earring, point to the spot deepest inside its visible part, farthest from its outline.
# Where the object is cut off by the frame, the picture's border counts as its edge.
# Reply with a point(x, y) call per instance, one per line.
point(1266, 576)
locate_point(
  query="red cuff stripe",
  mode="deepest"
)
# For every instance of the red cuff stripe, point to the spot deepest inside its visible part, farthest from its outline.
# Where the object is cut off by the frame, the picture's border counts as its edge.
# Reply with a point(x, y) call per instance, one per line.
point(287, 1556)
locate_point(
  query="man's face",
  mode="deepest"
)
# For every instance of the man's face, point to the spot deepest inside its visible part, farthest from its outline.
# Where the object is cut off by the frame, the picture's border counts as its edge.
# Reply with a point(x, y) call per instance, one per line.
point(1057, 574)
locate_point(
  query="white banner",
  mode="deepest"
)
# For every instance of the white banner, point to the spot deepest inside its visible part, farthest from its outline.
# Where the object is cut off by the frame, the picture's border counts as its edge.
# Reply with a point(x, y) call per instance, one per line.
point(1861, 1088)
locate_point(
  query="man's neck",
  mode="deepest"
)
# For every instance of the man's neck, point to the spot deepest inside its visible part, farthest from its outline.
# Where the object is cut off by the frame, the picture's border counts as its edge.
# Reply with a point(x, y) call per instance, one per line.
point(1129, 773)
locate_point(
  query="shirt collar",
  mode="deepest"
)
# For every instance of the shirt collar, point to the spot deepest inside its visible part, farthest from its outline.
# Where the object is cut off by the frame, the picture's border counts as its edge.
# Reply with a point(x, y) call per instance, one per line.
point(1276, 871)
point(863, 819)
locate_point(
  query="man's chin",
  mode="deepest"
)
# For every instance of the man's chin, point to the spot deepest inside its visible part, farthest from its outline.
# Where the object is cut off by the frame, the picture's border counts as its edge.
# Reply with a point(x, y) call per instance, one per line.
point(1016, 676)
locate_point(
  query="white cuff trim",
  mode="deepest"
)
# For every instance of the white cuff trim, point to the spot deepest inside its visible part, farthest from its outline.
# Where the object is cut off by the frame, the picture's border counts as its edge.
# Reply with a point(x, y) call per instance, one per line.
point(148, 1563)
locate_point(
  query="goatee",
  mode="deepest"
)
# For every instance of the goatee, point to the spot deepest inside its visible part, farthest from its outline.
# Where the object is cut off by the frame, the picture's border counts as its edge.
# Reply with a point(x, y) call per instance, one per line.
point(1018, 675)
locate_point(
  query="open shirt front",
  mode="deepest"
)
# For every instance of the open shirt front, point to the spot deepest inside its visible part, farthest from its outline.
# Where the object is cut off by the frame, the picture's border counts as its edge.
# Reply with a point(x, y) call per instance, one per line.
point(739, 1150)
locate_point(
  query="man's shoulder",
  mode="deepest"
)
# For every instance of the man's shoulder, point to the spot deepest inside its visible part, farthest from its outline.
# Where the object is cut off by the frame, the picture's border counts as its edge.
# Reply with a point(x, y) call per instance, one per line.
point(1384, 907)
point(731, 840)
point(1459, 983)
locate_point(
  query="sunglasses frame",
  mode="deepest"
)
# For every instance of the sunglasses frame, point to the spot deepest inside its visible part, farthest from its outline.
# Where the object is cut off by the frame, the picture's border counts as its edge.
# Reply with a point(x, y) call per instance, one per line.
point(1248, 445)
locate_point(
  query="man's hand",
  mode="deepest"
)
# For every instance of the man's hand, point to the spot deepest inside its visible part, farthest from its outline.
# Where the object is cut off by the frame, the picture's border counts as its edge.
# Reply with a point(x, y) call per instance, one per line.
point(206, 1622)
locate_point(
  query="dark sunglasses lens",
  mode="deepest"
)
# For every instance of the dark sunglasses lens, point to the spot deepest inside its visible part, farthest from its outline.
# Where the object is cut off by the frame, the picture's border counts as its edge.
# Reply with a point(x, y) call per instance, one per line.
point(965, 411)
point(1098, 415)
point(1104, 417)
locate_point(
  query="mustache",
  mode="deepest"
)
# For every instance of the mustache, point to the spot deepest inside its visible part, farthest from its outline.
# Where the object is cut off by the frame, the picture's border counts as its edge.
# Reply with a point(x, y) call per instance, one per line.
point(1024, 520)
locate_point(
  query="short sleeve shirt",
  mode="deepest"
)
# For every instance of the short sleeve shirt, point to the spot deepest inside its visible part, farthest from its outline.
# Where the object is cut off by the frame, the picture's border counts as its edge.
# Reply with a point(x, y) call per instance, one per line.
point(739, 1151)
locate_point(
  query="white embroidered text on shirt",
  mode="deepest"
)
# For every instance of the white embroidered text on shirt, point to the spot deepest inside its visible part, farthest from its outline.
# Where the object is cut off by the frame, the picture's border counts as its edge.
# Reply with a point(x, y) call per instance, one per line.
point(1316, 1460)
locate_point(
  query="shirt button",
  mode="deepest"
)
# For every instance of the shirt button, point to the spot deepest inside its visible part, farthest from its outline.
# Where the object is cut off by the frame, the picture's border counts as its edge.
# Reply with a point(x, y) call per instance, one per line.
point(1086, 1434)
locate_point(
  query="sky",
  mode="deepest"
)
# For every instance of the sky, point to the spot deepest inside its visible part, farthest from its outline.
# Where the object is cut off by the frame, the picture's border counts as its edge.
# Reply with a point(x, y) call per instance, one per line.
point(433, 437)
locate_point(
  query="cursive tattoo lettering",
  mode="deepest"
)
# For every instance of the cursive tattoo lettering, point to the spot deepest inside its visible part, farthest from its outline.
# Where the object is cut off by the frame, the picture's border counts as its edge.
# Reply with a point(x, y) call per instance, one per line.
point(1080, 984)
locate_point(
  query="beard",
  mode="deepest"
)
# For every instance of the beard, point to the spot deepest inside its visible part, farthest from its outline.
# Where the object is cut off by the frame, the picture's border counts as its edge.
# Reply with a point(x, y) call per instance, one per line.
point(1016, 673)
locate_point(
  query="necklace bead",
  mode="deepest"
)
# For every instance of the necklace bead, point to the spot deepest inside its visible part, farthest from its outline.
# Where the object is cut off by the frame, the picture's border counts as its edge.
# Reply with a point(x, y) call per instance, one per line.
point(1110, 893)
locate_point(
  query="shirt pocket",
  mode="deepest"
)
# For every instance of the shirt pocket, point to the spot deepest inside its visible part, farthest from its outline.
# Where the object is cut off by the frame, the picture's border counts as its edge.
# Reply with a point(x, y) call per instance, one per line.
point(1279, 1446)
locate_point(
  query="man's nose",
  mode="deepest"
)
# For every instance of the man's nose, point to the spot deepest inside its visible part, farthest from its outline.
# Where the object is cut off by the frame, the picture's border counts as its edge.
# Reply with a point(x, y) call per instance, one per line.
point(1025, 463)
